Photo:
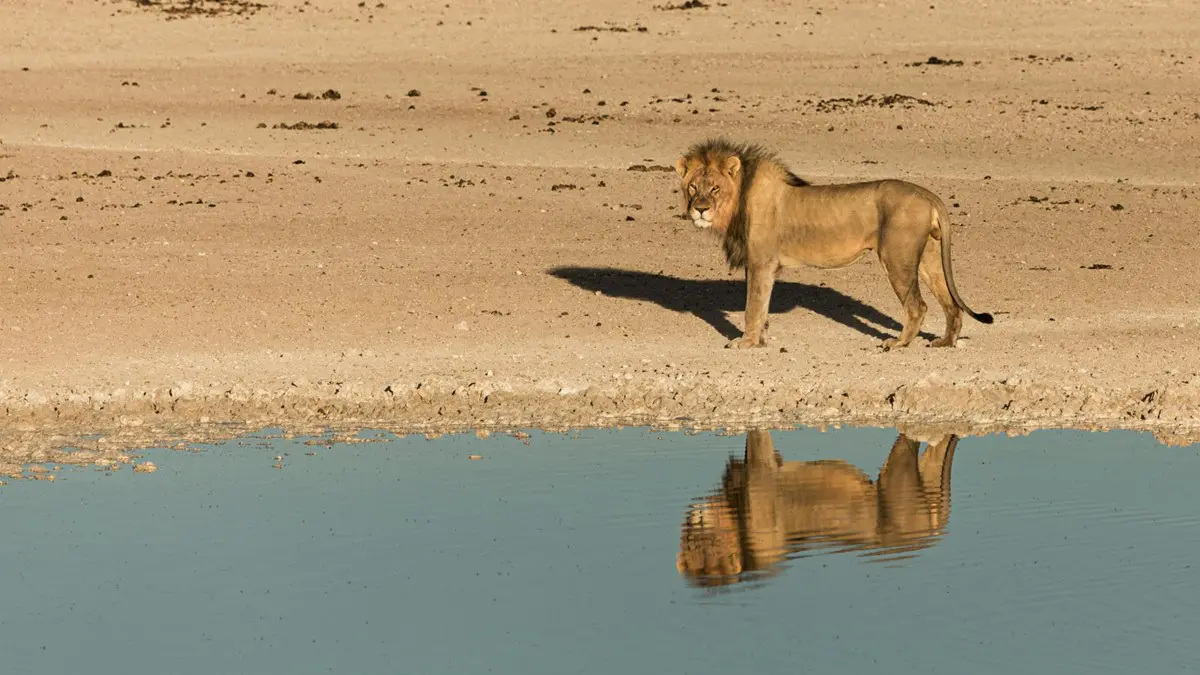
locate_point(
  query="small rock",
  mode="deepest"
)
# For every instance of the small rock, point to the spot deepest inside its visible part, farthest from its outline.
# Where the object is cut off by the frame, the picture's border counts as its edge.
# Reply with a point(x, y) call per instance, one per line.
point(145, 467)
point(474, 457)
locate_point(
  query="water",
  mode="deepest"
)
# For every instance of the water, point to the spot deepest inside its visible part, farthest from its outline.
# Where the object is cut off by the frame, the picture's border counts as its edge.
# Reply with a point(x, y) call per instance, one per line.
point(610, 552)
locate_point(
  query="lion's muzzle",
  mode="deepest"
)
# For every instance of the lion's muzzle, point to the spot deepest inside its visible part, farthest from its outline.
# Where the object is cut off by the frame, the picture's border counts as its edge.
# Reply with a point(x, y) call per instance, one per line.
point(701, 218)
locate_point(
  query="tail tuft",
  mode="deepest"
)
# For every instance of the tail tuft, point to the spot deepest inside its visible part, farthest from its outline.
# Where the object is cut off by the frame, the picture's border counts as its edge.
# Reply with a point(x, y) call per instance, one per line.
point(982, 317)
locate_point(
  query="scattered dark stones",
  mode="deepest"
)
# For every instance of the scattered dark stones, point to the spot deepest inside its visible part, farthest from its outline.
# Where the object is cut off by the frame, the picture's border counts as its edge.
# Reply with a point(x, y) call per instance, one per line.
point(1034, 58)
point(870, 101)
point(934, 61)
point(306, 126)
point(1117, 207)
point(1096, 266)
point(8, 176)
point(585, 119)
point(413, 93)
point(185, 9)
point(689, 4)
point(327, 95)
point(652, 167)
point(551, 113)
point(455, 181)
point(1050, 204)
point(559, 187)
point(612, 29)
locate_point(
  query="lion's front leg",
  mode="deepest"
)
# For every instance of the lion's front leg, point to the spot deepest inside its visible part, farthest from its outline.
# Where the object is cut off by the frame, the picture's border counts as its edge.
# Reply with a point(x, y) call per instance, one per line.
point(760, 279)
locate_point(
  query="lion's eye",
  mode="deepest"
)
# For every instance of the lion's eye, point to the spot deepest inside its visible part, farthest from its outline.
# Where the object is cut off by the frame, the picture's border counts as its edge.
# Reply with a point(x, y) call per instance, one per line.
point(715, 188)
point(691, 189)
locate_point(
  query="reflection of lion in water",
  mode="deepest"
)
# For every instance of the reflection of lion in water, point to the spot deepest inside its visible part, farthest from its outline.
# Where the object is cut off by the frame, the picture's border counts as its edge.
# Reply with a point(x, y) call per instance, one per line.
point(771, 219)
point(768, 510)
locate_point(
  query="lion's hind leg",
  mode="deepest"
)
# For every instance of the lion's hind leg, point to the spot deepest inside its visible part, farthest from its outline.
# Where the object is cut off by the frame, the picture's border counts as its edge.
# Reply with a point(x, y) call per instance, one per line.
point(935, 279)
point(901, 265)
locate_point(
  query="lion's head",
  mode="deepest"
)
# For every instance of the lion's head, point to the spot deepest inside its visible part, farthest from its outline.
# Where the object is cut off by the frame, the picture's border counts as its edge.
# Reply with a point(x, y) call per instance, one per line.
point(711, 185)
point(716, 176)
point(710, 550)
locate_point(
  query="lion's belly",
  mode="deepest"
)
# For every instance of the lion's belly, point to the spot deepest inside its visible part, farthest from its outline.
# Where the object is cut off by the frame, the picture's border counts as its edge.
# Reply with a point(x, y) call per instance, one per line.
point(827, 260)
point(829, 246)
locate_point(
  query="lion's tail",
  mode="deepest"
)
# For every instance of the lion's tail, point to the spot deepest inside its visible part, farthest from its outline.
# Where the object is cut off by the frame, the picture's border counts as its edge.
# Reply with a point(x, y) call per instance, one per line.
point(941, 223)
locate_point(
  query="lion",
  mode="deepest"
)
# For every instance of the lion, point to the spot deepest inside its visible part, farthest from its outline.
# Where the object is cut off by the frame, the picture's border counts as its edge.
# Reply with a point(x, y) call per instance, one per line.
point(770, 219)
point(768, 511)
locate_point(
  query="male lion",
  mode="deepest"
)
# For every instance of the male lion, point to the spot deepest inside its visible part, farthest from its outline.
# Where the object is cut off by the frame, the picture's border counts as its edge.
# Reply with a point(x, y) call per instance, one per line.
point(768, 510)
point(771, 219)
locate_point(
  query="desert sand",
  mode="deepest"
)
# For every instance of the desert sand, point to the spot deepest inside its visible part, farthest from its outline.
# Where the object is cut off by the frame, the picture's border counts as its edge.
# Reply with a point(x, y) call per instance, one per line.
point(476, 226)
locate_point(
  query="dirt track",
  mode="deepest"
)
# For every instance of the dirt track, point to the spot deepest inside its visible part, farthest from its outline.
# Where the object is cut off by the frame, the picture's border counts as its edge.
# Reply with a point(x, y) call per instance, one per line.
point(503, 249)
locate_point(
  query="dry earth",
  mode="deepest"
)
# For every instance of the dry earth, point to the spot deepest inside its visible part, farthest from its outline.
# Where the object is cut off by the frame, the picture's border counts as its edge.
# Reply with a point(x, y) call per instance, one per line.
point(487, 237)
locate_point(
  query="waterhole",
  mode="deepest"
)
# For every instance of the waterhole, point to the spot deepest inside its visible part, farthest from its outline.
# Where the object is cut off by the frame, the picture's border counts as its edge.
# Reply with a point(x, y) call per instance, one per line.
point(612, 551)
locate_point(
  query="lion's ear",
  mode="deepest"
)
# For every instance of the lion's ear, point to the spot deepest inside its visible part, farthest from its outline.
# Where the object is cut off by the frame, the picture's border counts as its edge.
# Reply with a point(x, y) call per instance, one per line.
point(733, 164)
point(681, 166)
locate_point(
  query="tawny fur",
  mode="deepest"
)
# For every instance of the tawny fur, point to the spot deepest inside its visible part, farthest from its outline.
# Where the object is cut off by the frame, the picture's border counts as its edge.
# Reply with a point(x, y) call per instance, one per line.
point(767, 510)
point(770, 219)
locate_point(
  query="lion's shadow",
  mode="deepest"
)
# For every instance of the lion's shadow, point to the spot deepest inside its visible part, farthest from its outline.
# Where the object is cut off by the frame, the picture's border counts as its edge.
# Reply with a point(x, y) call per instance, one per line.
point(710, 299)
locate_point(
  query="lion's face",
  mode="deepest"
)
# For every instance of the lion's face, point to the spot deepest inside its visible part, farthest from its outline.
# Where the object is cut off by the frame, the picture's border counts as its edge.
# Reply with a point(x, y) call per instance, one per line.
point(710, 189)
point(709, 549)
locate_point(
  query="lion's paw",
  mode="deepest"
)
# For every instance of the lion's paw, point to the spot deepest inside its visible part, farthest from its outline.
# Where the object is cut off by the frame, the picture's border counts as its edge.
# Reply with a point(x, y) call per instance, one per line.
point(745, 343)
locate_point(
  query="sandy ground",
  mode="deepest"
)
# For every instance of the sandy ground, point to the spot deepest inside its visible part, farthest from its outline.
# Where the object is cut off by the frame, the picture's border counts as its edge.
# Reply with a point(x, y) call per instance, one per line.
point(488, 237)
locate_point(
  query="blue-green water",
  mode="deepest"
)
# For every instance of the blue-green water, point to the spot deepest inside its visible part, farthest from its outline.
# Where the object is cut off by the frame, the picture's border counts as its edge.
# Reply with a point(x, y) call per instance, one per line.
point(1063, 552)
